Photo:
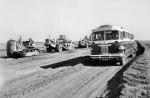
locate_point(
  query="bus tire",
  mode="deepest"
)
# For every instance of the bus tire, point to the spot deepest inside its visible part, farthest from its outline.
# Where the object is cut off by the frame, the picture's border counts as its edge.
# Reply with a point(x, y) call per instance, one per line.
point(123, 61)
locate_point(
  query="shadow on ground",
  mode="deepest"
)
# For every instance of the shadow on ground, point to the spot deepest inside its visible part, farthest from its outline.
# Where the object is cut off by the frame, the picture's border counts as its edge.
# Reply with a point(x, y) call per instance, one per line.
point(85, 60)
point(4, 57)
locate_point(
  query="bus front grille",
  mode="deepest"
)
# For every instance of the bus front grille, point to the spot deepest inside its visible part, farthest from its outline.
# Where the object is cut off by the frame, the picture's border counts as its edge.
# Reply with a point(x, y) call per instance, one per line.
point(104, 49)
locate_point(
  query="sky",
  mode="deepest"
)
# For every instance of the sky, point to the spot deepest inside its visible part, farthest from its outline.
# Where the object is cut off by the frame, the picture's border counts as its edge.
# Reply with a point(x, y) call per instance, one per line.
point(74, 18)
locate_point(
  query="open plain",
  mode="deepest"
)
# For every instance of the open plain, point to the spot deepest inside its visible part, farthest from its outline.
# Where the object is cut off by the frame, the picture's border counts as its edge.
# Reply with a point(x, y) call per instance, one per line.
point(70, 74)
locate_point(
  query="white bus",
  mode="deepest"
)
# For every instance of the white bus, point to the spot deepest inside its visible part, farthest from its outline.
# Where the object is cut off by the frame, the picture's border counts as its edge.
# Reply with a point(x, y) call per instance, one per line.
point(112, 43)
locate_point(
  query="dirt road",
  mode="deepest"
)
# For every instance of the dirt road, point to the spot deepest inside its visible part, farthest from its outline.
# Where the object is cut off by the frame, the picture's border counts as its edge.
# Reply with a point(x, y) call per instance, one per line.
point(22, 66)
point(58, 75)
point(85, 82)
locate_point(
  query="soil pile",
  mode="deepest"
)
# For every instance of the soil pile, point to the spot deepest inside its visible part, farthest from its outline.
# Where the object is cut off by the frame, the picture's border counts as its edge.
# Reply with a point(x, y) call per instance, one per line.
point(133, 80)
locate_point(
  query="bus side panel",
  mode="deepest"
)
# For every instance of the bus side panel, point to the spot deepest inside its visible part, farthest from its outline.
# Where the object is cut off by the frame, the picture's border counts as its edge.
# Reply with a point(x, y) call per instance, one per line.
point(129, 47)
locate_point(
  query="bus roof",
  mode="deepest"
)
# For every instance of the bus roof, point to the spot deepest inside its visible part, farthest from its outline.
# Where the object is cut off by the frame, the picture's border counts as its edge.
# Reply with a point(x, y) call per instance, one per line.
point(108, 27)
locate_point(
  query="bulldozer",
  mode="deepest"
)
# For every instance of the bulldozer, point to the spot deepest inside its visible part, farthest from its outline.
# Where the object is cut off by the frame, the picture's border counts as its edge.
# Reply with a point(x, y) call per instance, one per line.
point(58, 45)
point(84, 43)
point(21, 48)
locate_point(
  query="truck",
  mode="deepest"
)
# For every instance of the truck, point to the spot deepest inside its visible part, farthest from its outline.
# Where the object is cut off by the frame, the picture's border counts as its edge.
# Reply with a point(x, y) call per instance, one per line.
point(21, 48)
point(58, 45)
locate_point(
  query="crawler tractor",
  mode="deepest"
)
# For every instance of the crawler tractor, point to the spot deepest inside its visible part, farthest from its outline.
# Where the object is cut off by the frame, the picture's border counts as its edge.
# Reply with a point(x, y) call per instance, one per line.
point(21, 48)
point(84, 43)
point(58, 45)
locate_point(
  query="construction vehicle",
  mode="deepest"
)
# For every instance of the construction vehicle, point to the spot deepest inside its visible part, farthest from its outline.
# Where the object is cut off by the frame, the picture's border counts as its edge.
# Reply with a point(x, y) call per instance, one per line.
point(21, 48)
point(84, 43)
point(58, 45)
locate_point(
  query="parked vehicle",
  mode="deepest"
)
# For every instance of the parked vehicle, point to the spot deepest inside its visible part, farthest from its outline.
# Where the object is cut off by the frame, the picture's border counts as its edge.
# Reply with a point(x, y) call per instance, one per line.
point(58, 45)
point(112, 43)
point(21, 48)
point(84, 43)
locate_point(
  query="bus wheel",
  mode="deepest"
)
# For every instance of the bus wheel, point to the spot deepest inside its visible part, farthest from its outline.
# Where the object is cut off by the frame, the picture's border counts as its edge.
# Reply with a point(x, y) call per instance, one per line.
point(134, 54)
point(123, 61)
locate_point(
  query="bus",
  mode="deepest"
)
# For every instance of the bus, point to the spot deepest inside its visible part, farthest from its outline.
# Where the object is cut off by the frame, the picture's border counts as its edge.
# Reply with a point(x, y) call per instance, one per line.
point(112, 43)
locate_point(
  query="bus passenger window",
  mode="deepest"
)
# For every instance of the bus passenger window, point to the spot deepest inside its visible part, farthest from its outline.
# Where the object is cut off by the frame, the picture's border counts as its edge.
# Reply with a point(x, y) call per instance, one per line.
point(121, 35)
point(124, 35)
point(113, 35)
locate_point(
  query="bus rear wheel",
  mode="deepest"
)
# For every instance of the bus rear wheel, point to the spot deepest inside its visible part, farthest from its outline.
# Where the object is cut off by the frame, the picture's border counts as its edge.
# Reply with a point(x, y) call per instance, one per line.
point(123, 61)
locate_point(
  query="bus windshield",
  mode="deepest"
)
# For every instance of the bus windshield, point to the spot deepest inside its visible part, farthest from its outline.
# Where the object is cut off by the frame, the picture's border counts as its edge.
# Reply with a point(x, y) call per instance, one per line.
point(98, 36)
point(109, 35)
point(112, 35)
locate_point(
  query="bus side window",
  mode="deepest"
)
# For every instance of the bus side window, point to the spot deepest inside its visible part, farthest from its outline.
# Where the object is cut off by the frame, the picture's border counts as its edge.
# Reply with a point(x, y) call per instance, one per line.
point(124, 34)
point(121, 35)
point(128, 36)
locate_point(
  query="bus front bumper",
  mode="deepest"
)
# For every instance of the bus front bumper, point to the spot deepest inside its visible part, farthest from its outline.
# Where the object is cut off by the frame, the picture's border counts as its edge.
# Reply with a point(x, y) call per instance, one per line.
point(107, 57)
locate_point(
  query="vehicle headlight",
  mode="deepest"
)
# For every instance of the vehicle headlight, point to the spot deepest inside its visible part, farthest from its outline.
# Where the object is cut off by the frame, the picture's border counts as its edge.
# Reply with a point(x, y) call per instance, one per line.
point(122, 48)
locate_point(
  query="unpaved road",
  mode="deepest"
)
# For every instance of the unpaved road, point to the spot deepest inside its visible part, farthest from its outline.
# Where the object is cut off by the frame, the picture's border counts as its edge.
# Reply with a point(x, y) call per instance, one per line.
point(56, 75)
point(22, 66)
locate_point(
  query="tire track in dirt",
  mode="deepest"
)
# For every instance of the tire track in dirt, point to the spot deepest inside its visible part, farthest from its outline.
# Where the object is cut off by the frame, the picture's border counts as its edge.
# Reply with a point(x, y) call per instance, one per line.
point(31, 77)
point(92, 89)
point(29, 86)
point(11, 72)
point(75, 79)
point(100, 85)
point(77, 84)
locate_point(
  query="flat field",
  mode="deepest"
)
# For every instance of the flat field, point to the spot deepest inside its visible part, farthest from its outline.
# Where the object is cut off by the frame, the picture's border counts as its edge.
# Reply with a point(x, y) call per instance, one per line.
point(71, 74)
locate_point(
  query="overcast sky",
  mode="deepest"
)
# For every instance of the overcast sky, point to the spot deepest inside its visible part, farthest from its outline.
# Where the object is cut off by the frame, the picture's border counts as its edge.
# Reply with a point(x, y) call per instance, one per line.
point(74, 18)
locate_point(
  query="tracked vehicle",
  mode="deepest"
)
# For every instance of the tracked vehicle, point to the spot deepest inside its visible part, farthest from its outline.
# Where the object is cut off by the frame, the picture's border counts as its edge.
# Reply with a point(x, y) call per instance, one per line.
point(112, 43)
point(84, 43)
point(21, 48)
point(58, 45)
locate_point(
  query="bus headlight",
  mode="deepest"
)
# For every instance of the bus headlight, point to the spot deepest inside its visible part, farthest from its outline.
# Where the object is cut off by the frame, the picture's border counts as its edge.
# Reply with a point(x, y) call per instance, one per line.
point(121, 48)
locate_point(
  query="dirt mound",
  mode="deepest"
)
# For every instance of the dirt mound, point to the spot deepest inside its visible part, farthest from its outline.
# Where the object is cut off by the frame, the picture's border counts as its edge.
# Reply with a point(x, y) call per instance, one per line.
point(136, 80)
point(132, 81)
